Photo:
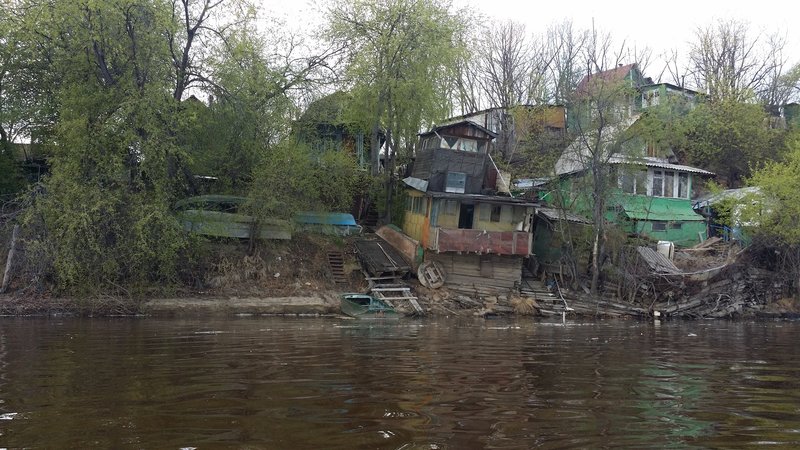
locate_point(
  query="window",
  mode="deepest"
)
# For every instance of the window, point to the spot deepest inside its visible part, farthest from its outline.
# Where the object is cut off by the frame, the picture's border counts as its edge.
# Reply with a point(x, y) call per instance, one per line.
point(683, 185)
point(483, 211)
point(627, 183)
point(633, 183)
point(669, 183)
point(495, 217)
point(456, 182)
point(652, 149)
point(676, 225)
point(658, 183)
point(450, 207)
point(468, 145)
point(419, 205)
point(659, 226)
point(409, 203)
point(641, 182)
point(518, 214)
point(650, 98)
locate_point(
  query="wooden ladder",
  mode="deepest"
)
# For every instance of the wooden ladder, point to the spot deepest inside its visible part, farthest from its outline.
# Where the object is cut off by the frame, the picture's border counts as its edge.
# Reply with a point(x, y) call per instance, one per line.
point(336, 264)
point(391, 292)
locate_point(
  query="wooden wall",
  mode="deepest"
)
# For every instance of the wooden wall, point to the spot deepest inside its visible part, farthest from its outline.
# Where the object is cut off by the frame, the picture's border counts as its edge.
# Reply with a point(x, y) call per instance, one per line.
point(433, 165)
point(484, 274)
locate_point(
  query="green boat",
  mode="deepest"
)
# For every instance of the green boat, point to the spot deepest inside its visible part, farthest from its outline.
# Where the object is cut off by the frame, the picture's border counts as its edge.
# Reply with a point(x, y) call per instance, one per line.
point(363, 306)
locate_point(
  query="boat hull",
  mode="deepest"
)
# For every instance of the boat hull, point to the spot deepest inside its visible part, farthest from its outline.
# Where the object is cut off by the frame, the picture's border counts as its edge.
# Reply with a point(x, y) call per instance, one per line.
point(362, 306)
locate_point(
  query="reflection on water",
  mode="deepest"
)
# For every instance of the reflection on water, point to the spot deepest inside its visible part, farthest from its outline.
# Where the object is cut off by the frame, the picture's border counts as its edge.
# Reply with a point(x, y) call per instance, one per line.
point(308, 383)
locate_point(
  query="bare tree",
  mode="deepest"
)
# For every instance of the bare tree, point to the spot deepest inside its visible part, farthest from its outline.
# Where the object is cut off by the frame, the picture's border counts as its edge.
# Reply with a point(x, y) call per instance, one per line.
point(728, 63)
point(676, 72)
point(781, 82)
point(467, 90)
point(603, 114)
point(510, 72)
point(564, 47)
point(507, 60)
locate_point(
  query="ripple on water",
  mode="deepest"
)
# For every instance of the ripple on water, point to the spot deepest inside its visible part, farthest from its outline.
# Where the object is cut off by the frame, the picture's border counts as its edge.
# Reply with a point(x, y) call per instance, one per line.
point(311, 383)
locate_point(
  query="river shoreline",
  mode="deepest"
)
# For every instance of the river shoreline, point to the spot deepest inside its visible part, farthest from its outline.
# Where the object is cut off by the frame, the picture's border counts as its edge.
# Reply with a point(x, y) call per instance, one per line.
point(312, 305)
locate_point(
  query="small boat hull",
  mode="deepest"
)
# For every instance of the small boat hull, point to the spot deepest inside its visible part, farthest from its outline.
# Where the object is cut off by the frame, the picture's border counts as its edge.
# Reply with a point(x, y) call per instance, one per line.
point(363, 306)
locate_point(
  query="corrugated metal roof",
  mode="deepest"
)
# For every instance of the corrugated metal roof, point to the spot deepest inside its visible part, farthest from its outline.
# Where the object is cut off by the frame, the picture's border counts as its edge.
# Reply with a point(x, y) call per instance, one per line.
point(656, 162)
point(560, 214)
point(416, 183)
point(751, 193)
point(638, 207)
point(658, 262)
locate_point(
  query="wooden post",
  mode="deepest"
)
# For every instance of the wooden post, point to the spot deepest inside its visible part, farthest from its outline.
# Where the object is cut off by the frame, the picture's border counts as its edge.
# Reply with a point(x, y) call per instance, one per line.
point(10, 259)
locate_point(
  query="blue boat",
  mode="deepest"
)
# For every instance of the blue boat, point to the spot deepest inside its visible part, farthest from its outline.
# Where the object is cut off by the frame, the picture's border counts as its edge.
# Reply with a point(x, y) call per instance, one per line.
point(341, 224)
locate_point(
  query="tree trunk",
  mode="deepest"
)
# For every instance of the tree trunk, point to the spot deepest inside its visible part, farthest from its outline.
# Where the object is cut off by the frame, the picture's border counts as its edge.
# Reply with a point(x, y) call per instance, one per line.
point(10, 259)
point(595, 261)
point(598, 207)
point(375, 149)
point(390, 158)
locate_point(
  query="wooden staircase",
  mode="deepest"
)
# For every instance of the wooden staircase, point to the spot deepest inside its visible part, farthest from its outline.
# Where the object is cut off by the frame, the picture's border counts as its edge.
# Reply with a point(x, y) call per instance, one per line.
point(370, 217)
point(336, 265)
point(549, 300)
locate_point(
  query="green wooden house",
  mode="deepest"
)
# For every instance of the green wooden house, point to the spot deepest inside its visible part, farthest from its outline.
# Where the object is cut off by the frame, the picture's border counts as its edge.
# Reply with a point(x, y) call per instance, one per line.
point(649, 193)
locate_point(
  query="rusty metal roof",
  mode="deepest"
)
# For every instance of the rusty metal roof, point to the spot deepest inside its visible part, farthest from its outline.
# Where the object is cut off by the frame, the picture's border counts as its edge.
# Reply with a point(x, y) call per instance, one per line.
point(615, 75)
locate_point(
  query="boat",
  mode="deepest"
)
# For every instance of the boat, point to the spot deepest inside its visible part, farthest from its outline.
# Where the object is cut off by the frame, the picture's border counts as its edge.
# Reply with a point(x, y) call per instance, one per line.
point(333, 223)
point(221, 216)
point(364, 306)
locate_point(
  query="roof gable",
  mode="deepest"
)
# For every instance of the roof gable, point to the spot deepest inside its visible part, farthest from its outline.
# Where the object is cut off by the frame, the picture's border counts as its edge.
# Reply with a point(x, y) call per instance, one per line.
point(611, 76)
point(464, 128)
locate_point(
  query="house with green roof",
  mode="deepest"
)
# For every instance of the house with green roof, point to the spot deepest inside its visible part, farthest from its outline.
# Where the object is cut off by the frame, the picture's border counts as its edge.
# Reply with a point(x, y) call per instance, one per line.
point(649, 193)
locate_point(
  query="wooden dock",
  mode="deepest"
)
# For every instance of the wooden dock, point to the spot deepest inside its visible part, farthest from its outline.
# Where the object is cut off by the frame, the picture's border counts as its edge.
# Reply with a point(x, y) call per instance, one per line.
point(380, 259)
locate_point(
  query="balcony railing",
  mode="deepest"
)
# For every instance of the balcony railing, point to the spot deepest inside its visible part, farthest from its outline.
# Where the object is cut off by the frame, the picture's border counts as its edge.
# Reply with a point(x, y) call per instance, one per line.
point(480, 241)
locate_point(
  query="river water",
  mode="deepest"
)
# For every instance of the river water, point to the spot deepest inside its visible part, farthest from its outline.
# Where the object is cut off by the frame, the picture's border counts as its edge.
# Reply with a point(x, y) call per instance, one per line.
point(433, 384)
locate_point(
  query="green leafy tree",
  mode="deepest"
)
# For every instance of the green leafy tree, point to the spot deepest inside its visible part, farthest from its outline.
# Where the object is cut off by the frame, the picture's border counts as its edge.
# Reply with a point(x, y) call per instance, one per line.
point(106, 212)
point(777, 211)
point(728, 138)
point(403, 55)
point(773, 213)
point(249, 112)
point(291, 178)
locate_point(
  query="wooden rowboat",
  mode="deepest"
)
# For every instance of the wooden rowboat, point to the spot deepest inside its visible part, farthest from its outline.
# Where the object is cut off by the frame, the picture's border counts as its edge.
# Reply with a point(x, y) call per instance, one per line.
point(363, 306)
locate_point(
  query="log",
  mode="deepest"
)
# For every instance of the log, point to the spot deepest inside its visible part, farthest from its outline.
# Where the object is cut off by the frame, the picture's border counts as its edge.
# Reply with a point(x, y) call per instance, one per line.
point(10, 259)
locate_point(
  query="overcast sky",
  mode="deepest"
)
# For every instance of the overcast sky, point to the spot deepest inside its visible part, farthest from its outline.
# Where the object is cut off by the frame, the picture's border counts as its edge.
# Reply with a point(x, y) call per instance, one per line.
point(659, 25)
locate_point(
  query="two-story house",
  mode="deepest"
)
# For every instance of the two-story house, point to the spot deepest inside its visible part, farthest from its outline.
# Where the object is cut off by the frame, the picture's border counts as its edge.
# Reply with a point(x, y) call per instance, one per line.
point(459, 210)
point(649, 192)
